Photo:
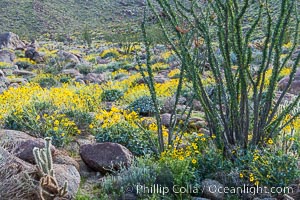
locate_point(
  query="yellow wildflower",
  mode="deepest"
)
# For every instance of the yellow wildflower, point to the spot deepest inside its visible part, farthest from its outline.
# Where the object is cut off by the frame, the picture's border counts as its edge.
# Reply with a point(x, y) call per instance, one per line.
point(270, 141)
point(200, 134)
point(56, 122)
point(292, 139)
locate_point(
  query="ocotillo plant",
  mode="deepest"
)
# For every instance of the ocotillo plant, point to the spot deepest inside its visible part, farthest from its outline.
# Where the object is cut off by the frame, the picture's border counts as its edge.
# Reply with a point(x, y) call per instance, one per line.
point(225, 36)
point(49, 188)
point(148, 76)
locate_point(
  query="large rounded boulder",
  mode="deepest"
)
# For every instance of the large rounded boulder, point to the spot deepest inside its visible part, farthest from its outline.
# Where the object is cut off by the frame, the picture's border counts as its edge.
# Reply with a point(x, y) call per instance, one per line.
point(20, 179)
point(105, 157)
point(10, 40)
point(7, 56)
point(295, 85)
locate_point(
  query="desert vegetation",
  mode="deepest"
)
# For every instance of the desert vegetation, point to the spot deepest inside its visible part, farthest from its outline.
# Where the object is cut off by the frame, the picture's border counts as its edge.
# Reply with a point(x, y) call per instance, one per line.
point(150, 99)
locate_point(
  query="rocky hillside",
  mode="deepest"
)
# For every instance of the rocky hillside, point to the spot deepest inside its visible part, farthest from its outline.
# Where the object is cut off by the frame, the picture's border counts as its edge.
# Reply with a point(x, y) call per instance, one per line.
point(33, 17)
point(89, 112)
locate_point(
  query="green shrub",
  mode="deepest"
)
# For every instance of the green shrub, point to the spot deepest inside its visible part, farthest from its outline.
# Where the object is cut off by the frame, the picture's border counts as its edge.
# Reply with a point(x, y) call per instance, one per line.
point(87, 36)
point(211, 162)
point(176, 172)
point(65, 79)
point(100, 69)
point(128, 136)
point(111, 95)
point(114, 66)
point(110, 54)
point(19, 53)
point(4, 65)
point(26, 120)
point(268, 167)
point(120, 76)
point(41, 119)
point(143, 105)
point(182, 171)
point(142, 172)
point(81, 119)
point(47, 82)
point(84, 69)
point(23, 65)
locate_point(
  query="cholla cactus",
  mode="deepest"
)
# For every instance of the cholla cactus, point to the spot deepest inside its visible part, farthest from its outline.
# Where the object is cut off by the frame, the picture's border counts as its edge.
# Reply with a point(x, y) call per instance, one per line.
point(49, 188)
point(43, 158)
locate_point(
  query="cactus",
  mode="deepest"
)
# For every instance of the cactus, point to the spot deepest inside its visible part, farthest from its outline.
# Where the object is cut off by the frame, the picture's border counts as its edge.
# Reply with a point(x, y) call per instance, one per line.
point(49, 188)
point(43, 158)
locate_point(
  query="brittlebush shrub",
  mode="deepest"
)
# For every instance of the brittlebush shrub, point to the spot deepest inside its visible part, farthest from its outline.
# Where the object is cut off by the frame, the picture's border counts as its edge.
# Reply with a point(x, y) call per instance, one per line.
point(120, 126)
point(111, 95)
point(267, 167)
point(41, 119)
point(24, 63)
point(47, 82)
point(130, 137)
point(82, 119)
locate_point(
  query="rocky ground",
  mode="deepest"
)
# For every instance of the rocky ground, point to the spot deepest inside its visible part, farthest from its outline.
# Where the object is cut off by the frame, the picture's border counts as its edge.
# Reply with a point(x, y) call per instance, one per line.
point(82, 161)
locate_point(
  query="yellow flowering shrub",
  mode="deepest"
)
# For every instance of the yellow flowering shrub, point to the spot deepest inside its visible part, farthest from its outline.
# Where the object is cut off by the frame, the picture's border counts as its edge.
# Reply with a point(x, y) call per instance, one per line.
point(42, 119)
point(136, 92)
point(159, 66)
point(112, 52)
point(129, 48)
point(288, 45)
point(5, 65)
point(188, 146)
point(58, 126)
point(124, 84)
point(25, 60)
point(14, 99)
point(153, 127)
point(121, 126)
point(85, 98)
point(284, 72)
point(267, 167)
point(166, 89)
point(120, 71)
point(106, 119)
point(48, 53)
point(167, 55)
point(173, 73)
point(154, 67)
point(79, 97)
point(75, 51)
point(91, 57)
